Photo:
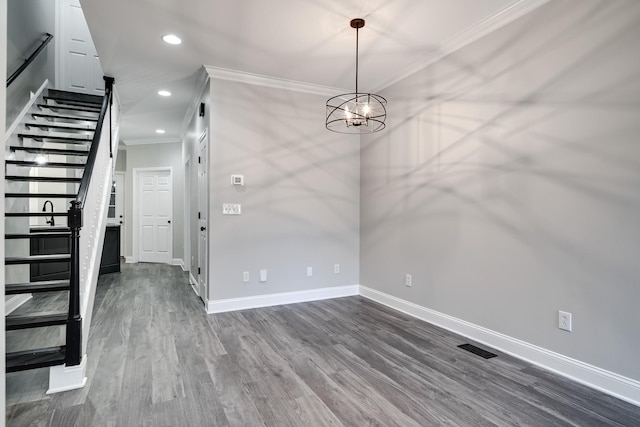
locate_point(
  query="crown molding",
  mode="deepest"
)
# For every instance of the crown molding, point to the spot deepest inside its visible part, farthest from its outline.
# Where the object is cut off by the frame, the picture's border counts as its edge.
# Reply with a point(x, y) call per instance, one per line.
point(273, 82)
point(464, 38)
point(143, 141)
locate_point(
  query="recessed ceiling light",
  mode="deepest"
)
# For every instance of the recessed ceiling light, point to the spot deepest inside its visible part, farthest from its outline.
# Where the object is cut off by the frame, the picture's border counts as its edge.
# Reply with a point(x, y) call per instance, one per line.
point(41, 160)
point(171, 39)
point(159, 130)
point(164, 93)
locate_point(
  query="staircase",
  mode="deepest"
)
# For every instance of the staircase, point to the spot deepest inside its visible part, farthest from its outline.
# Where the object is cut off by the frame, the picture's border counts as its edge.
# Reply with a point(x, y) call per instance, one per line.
point(45, 165)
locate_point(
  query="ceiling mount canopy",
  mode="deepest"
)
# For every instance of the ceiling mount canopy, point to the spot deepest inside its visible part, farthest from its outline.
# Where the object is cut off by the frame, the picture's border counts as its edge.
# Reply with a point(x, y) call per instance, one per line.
point(356, 112)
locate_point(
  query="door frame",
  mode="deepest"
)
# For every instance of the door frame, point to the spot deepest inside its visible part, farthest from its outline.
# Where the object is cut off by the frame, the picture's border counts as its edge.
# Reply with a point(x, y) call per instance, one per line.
point(136, 208)
point(203, 279)
point(121, 206)
point(186, 262)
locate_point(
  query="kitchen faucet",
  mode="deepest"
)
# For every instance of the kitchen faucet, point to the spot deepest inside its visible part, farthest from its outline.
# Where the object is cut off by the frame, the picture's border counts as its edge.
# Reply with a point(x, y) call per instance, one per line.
point(51, 221)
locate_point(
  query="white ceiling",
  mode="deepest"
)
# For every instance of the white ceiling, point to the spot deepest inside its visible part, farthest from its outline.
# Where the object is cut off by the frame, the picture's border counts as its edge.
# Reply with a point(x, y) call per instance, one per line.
point(303, 40)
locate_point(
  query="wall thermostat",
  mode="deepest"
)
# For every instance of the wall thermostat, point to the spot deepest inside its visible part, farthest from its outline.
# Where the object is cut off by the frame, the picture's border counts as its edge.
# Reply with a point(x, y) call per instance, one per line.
point(237, 179)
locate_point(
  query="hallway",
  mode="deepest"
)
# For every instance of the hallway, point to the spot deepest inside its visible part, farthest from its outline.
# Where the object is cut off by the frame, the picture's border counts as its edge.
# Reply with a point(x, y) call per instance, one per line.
point(156, 359)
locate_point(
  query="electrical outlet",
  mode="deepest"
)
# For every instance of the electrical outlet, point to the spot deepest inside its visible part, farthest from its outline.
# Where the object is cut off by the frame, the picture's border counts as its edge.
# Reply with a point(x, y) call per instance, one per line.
point(263, 275)
point(564, 321)
point(309, 271)
point(407, 280)
point(336, 268)
point(245, 276)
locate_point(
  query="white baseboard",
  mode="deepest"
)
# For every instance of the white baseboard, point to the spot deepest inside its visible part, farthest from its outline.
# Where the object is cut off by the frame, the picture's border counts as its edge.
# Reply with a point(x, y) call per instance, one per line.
point(232, 304)
point(608, 382)
point(130, 260)
point(63, 378)
point(15, 301)
point(178, 261)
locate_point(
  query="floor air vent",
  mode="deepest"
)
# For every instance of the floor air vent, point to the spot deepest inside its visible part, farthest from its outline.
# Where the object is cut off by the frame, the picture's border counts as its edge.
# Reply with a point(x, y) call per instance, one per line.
point(477, 350)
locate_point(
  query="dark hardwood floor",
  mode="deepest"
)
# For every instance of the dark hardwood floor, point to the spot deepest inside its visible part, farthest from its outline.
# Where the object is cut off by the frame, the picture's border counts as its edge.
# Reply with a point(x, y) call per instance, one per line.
point(156, 359)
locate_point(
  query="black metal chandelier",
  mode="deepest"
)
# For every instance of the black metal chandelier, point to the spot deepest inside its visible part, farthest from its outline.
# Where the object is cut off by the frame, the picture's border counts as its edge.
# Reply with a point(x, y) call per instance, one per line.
point(356, 112)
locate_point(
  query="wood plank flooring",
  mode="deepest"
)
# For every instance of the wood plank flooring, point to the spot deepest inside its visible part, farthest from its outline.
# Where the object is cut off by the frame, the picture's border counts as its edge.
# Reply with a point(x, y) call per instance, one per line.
point(156, 359)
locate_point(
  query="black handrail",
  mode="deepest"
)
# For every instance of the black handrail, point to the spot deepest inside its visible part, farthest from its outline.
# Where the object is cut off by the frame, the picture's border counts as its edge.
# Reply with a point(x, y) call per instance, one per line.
point(29, 60)
point(93, 152)
point(73, 354)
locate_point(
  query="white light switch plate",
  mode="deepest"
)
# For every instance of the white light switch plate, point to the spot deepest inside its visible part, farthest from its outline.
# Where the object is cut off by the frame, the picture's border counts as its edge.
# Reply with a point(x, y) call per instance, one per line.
point(231, 209)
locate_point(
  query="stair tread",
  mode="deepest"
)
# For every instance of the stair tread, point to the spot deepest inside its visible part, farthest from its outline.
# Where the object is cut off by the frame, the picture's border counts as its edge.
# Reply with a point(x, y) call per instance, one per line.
point(29, 287)
point(59, 151)
point(35, 320)
point(69, 108)
point(41, 195)
point(42, 178)
point(31, 163)
point(37, 259)
point(38, 213)
point(36, 358)
point(36, 235)
point(37, 136)
point(43, 316)
point(78, 103)
point(63, 117)
point(57, 126)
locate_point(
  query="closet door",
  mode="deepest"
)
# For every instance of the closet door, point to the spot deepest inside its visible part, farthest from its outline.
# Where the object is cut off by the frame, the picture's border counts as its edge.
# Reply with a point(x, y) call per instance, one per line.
point(79, 69)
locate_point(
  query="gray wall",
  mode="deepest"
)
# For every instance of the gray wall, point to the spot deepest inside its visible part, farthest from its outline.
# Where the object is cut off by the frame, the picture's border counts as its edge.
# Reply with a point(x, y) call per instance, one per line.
point(150, 156)
point(508, 183)
point(27, 22)
point(121, 161)
point(300, 204)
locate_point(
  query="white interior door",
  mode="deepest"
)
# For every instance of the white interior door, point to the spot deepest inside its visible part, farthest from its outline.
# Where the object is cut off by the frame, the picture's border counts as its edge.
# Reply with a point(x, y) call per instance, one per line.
point(203, 209)
point(118, 180)
point(188, 262)
point(155, 231)
point(79, 69)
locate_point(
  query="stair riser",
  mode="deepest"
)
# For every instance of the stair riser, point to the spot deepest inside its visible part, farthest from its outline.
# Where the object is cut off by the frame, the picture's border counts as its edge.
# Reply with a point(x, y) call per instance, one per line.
point(33, 359)
point(34, 214)
point(35, 325)
point(21, 262)
point(36, 287)
point(31, 164)
point(77, 109)
point(56, 118)
point(72, 102)
point(39, 196)
point(42, 179)
point(34, 235)
point(64, 95)
point(53, 151)
point(59, 128)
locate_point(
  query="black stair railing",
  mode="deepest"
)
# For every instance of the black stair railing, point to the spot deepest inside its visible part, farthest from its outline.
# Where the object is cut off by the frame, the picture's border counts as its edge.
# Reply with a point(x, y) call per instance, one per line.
point(74, 321)
point(29, 60)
